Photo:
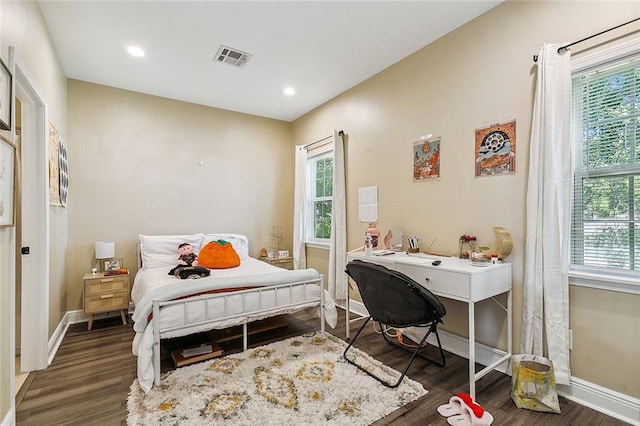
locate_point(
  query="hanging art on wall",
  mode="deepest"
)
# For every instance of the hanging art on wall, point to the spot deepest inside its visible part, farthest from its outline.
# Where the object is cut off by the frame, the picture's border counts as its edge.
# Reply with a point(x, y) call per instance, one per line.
point(7, 181)
point(426, 159)
point(63, 172)
point(54, 167)
point(496, 149)
point(6, 86)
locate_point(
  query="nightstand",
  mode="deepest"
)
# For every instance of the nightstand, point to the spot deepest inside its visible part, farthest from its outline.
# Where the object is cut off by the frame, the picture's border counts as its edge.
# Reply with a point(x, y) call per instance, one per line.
point(285, 262)
point(106, 293)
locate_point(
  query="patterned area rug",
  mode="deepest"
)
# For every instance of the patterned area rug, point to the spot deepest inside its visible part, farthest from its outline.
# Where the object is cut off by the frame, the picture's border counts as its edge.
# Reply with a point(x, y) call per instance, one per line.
point(301, 380)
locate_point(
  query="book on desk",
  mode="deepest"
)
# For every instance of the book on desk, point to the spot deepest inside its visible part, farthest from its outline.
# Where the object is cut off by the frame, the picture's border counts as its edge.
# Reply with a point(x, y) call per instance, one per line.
point(382, 252)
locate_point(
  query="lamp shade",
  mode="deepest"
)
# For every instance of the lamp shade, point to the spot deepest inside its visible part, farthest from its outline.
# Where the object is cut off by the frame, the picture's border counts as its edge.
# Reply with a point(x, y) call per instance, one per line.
point(105, 249)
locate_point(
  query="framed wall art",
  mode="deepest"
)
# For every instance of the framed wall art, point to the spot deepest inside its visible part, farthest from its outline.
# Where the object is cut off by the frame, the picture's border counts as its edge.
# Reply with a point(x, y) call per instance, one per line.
point(6, 86)
point(426, 159)
point(54, 167)
point(7, 182)
point(63, 172)
point(496, 149)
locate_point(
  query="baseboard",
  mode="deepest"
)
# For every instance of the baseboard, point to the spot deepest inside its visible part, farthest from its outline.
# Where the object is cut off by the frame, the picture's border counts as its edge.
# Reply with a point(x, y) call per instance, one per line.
point(606, 401)
point(354, 306)
point(77, 316)
point(9, 418)
point(70, 317)
point(459, 345)
point(56, 338)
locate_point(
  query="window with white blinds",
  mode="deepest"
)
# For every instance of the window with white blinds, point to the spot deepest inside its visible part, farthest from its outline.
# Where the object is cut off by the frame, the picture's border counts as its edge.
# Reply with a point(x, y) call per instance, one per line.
point(606, 132)
point(320, 194)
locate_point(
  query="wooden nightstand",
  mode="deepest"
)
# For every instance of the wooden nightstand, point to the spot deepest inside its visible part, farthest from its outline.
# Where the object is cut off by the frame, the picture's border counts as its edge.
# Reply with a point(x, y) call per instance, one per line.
point(280, 262)
point(105, 294)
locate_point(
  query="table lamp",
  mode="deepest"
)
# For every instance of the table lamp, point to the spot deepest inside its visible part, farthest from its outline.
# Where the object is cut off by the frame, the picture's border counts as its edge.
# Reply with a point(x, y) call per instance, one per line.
point(105, 250)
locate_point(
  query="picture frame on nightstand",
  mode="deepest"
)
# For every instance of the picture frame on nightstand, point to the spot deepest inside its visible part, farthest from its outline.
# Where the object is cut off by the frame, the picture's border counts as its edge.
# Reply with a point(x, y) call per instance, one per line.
point(113, 264)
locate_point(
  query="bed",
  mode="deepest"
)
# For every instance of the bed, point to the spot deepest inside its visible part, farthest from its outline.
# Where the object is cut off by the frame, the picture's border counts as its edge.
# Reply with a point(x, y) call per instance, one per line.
point(166, 306)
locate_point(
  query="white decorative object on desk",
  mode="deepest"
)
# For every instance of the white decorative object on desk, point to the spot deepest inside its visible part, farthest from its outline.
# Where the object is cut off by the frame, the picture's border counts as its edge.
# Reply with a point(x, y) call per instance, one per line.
point(502, 246)
point(368, 245)
point(479, 259)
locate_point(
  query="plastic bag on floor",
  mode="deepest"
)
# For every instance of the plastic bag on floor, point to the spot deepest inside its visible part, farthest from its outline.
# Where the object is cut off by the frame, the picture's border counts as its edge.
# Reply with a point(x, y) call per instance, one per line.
point(533, 383)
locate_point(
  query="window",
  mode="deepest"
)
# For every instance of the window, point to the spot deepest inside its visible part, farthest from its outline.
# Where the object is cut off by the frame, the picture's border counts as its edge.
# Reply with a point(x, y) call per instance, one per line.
point(320, 196)
point(606, 132)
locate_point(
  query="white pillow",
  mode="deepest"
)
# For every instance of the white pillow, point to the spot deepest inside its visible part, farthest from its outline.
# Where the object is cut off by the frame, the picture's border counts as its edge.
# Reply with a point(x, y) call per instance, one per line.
point(162, 250)
point(239, 242)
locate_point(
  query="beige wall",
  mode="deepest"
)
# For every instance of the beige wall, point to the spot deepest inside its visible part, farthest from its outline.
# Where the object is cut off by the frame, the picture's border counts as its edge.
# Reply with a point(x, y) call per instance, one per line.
point(22, 26)
point(480, 74)
point(135, 169)
point(134, 165)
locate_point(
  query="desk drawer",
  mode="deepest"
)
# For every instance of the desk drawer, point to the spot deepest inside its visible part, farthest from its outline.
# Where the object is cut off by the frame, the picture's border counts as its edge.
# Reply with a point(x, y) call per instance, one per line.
point(106, 285)
point(450, 284)
point(107, 302)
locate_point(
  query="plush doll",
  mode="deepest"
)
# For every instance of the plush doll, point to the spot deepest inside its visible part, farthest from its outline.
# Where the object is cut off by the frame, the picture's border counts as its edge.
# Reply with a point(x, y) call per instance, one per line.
point(187, 256)
point(188, 266)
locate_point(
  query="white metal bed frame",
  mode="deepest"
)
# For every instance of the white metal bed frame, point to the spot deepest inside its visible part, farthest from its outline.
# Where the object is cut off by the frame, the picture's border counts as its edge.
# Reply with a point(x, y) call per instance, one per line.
point(246, 316)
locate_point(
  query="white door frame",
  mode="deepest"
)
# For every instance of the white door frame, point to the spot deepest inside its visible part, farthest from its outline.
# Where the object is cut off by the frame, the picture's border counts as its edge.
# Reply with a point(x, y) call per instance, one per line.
point(35, 224)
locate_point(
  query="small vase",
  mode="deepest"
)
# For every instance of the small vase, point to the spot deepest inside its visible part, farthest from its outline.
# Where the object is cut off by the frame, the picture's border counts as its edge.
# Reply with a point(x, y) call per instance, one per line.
point(466, 248)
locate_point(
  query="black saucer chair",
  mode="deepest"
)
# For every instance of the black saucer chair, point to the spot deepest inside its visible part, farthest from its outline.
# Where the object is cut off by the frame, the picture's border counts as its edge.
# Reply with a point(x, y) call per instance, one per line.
point(395, 300)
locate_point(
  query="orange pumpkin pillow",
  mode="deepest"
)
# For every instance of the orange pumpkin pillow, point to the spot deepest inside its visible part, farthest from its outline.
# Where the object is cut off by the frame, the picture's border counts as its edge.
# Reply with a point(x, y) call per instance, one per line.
point(218, 255)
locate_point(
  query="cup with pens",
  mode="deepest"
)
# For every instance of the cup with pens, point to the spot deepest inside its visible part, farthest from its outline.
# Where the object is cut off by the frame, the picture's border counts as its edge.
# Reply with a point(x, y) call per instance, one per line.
point(413, 245)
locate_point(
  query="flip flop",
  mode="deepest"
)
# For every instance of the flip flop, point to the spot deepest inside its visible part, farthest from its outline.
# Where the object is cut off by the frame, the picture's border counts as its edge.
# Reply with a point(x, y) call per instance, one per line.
point(472, 415)
point(455, 405)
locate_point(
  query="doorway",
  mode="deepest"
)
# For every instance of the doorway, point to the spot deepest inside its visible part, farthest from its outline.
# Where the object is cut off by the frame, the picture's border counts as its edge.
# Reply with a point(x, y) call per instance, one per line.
point(32, 228)
point(20, 376)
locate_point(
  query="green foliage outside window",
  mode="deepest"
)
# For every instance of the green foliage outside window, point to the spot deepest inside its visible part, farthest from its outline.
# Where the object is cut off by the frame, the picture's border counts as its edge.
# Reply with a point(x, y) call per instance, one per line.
point(323, 201)
point(606, 228)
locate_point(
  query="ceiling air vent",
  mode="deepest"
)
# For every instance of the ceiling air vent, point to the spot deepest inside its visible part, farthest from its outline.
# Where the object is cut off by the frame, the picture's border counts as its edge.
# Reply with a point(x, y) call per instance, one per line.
point(232, 56)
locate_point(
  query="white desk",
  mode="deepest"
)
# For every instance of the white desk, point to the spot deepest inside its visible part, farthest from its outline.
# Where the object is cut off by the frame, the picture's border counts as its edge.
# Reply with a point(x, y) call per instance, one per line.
point(454, 279)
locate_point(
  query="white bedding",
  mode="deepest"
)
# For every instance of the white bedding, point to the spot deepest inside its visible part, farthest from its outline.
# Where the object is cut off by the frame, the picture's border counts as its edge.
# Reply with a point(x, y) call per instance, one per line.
point(155, 283)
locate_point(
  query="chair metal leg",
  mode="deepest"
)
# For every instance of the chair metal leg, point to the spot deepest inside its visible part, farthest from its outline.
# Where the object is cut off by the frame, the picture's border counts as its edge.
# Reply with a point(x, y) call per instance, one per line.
point(404, 373)
point(366, 321)
point(432, 329)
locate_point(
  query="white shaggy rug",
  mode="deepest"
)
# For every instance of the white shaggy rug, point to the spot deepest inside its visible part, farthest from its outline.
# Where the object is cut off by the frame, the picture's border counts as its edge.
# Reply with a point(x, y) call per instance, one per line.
point(301, 380)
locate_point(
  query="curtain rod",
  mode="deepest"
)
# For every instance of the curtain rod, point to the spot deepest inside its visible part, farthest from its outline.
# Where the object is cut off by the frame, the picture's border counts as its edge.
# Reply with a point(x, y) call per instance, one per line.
point(320, 141)
point(564, 48)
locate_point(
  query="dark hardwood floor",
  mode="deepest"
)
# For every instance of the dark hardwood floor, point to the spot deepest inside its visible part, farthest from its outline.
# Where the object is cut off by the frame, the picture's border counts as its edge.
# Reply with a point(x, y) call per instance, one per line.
point(89, 379)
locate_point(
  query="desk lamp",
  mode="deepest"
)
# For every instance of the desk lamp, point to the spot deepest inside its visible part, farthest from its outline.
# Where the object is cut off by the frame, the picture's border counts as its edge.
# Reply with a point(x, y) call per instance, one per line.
point(105, 250)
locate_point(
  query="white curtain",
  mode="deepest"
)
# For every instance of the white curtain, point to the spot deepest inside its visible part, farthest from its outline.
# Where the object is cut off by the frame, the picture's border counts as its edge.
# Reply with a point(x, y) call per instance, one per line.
point(337, 280)
point(546, 282)
point(299, 208)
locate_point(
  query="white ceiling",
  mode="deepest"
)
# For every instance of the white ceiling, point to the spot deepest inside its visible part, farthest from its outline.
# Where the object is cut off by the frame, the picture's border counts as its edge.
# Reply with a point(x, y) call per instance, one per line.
point(321, 48)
